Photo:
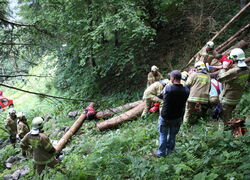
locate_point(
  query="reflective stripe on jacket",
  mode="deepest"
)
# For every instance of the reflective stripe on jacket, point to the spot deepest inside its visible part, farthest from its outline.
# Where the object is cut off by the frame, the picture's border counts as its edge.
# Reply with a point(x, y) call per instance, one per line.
point(234, 81)
point(199, 84)
point(43, 150)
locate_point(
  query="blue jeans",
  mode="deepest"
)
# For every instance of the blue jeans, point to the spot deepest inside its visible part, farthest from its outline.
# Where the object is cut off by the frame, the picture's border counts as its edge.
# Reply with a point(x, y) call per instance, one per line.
point(168, 133)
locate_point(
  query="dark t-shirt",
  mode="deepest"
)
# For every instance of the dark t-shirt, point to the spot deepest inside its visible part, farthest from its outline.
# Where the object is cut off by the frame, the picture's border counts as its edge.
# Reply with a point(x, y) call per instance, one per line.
point(174, 100)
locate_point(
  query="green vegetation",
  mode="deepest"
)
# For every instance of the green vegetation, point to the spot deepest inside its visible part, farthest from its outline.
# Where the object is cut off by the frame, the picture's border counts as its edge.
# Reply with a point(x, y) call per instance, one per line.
point(102, 50)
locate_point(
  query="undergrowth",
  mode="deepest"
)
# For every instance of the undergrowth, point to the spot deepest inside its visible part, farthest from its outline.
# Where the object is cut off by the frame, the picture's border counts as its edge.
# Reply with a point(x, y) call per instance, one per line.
point(202, 152)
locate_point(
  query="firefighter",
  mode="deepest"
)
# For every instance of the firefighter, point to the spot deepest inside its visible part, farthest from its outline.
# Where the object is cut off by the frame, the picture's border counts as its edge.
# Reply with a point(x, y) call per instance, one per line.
point(43, 150)
point(234, 80)
point(154, 75)
point(11, 125)
point(22, 125)
point(207, 54)
point(151, 95)
point(199, 85)
point(184, 77)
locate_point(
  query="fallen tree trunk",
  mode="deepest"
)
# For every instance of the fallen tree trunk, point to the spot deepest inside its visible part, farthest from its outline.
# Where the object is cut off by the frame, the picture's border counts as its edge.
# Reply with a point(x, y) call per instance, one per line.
point(217, 34)
point(115, 121)
point(241, 44)
point(247, 60)
point(109, 112)
point(63, 141)
point(231, 39)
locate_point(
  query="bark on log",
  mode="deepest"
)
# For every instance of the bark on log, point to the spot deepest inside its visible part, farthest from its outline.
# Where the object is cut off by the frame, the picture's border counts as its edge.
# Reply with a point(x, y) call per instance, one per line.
point(232, 39)
point(115, 121)
point(241, 44)
point(109, 112)
point(247, 60)
point(63, 141)
point(217, 34)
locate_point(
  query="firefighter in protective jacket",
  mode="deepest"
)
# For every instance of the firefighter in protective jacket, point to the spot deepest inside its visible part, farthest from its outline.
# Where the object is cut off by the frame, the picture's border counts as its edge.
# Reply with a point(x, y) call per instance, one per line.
point(151, 95)
point(43, 150)
point(199, 84)
point(154, 75)
point(22, 125)
point(11, 125)
point(234, 81)
point(207, 54)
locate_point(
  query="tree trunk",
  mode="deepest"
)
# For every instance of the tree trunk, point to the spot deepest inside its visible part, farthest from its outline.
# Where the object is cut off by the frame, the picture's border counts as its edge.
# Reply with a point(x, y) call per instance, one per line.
point(232, 39)
point(63, 141)
point(109, 112)
point(218, 33)
point(117, 120)
point(241, 44)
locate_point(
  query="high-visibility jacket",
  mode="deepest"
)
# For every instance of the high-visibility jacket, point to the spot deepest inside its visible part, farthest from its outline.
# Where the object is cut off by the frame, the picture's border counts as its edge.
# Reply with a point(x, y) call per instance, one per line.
point(22, 129)
point(11, 125)
point(153, 78)
point(205, 56)
point(199, 84)
point(154, 89)
point(234, 81)
point(43, 150)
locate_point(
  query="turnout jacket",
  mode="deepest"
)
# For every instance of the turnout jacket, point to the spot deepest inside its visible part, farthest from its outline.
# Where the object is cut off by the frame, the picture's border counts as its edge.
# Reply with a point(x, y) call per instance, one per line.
point(11, 125)
point(152, 78)
point(22, 129)
point(205, 56)
point(199, 84)
point(43, 150)
point(153, 90)
point(234, 81)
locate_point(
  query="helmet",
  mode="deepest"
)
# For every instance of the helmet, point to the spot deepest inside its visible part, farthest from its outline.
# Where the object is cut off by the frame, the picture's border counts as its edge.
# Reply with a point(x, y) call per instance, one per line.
point(164, 81)
point(210, 44)
point(237, 54)
point(37, 123)
point(184, 75)
point(11, 110)
point(154, 68)
point(20, 115)
point(200, 65)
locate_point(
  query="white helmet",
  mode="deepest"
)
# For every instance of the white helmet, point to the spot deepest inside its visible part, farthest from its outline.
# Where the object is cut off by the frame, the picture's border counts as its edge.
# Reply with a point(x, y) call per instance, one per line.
point(154, 68)
point(11, 110)
point(164, 81)
point(184, 75)
point(37, 124)
point(237, 54)
point(210, 44)
point(20, 115)
point(200, 65)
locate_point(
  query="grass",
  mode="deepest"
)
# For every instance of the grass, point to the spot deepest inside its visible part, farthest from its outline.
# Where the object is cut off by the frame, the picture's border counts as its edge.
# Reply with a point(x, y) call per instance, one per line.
point(202, 152)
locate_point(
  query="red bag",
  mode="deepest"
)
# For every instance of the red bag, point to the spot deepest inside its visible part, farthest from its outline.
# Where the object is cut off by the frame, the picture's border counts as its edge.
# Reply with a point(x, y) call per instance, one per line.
point(155, 108)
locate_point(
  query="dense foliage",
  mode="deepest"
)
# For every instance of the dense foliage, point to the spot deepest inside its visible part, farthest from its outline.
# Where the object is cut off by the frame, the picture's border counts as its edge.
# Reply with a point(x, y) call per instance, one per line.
point(99, 44)
point(104, 50)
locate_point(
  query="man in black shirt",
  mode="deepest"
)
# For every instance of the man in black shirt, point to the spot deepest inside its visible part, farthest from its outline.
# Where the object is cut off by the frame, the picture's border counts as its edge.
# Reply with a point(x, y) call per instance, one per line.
point(174, 100)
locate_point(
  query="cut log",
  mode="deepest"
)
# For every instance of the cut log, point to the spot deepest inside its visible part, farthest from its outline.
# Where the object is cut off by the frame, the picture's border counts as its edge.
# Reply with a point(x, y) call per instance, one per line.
point(115, 121)
point(110, 112)
point(63, 141)
point(226, 25)
point(241, 44)
point(217, 34)
point(221, 47)
point(247, 60)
